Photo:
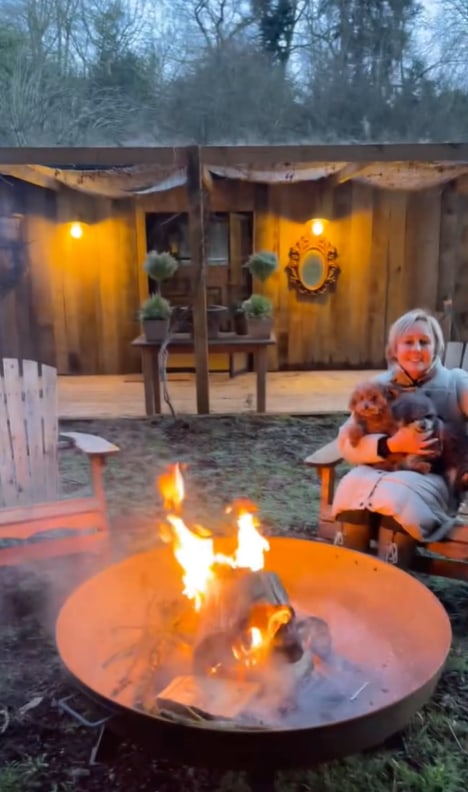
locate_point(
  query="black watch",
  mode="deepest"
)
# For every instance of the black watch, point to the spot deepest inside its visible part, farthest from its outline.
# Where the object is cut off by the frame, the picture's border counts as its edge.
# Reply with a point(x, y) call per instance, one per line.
point(382, 447)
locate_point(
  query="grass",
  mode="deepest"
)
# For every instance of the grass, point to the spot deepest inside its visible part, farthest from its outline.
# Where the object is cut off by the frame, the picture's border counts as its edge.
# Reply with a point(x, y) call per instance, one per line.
point(258, 457)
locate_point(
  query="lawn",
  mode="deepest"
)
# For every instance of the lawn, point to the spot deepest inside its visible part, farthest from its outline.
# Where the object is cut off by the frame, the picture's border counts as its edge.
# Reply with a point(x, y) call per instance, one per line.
point(259, 457)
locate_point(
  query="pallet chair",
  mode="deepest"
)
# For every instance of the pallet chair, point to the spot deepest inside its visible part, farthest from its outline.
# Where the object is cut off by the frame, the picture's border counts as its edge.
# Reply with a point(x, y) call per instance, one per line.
point(375, 533)
point(30, 507)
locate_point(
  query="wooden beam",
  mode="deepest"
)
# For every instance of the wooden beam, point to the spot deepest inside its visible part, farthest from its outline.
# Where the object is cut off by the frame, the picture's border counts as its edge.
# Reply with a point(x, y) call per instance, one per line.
point(369, 153)
point(235, 155)
point(56, 157)
point(196, 210)
point(207, 179)
point(31, 175)
point(140, 232)
point(349, 171)
point(461, 185)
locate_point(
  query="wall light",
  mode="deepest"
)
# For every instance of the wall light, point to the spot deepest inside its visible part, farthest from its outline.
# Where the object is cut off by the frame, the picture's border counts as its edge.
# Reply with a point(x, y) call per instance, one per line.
point(76, 230)
point(317, 226)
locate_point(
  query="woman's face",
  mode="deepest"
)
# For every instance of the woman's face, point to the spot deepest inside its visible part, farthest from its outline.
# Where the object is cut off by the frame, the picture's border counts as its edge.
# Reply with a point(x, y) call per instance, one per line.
point(415, 349)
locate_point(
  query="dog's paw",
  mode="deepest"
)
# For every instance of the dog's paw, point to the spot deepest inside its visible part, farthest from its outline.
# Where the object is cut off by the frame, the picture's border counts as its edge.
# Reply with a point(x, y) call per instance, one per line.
point(422, 467)
point(354, 435)
point(417, 464)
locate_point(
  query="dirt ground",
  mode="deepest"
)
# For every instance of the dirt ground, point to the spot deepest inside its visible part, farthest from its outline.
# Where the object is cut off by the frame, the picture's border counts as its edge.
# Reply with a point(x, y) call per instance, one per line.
point(43, 749)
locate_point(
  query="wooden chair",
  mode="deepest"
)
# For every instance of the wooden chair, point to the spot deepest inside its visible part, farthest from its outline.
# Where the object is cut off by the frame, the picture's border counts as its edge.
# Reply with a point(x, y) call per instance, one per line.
point(29, 480)
point(371, 532)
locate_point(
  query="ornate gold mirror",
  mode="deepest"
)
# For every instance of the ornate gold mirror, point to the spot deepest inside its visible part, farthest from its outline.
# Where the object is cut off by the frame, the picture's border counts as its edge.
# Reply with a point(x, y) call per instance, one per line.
point(311, 269)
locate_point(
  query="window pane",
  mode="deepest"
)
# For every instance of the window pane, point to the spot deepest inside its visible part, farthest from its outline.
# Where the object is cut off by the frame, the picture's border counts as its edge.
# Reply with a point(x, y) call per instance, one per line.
point(218, 240)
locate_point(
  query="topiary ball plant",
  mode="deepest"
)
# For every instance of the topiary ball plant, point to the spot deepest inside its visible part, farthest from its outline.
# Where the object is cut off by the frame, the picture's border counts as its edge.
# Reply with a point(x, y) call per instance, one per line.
point(257, 306)
point(155, 307)
point(261, 265)
point(160, 266)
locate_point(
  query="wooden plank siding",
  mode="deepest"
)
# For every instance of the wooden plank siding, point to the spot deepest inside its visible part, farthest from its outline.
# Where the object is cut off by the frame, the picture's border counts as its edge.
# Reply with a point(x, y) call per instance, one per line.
point(389, 244)
point(76, 304)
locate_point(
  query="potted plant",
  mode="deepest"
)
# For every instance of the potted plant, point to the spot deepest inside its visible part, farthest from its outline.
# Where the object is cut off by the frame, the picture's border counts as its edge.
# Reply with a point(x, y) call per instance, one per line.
point(239, 320)
point(259, 315)
point(155, 314)
point(258, 308)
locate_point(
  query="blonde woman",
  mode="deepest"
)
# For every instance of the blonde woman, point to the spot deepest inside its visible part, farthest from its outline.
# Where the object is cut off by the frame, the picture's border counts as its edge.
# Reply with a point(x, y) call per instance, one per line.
point(419, 503)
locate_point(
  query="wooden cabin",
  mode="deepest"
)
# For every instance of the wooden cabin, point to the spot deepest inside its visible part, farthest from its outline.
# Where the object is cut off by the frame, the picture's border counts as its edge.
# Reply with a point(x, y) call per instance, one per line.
point(395, 236)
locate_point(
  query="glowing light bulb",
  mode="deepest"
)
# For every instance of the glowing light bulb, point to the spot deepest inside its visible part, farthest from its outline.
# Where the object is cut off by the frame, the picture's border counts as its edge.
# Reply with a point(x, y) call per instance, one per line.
point(317, 227)
point(76, 230)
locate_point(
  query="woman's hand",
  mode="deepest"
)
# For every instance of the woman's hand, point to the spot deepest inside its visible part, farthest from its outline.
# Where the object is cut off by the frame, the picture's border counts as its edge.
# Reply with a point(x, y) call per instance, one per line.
point(407, 441)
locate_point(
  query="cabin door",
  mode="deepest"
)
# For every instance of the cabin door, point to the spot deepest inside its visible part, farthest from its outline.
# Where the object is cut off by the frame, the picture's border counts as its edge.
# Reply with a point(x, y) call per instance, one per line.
point(229, 244)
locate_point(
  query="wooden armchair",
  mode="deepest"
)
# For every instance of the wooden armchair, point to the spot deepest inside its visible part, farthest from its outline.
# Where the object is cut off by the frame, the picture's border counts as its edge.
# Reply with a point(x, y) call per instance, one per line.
point(29, 504)
point(375, 533)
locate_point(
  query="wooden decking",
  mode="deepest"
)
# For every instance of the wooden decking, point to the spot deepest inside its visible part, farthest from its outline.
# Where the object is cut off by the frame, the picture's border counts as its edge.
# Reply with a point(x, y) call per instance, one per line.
point(287, 392)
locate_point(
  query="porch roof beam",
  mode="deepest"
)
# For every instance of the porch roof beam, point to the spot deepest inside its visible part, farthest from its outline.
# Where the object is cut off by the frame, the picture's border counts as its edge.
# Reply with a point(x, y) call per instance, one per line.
point(235, 155)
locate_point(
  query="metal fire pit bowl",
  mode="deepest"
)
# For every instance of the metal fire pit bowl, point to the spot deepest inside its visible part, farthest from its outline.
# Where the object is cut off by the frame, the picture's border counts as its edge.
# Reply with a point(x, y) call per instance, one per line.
point(382, 621)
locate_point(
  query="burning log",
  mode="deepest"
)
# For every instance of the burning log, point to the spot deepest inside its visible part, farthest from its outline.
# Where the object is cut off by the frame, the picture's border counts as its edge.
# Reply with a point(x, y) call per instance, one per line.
point(245, 622)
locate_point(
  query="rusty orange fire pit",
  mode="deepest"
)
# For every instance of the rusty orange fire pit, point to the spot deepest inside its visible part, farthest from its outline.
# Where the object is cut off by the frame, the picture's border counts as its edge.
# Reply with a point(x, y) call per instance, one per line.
point(390, 638)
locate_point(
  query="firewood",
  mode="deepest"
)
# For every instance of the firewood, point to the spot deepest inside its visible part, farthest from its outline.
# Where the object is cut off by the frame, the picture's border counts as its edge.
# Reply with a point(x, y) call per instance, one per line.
point(315, 636)
point(209, 696)
point(239, 600)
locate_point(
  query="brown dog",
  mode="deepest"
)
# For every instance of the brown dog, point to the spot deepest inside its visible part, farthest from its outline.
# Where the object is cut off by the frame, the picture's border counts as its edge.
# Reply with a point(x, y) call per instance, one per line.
point(370, 405)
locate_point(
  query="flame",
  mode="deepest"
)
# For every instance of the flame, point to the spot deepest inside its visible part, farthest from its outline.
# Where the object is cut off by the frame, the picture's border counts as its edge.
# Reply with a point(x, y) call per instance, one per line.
point(250, 544)
point(171, 487)
point(195, 552)
point(253, 651)
point(195, 556)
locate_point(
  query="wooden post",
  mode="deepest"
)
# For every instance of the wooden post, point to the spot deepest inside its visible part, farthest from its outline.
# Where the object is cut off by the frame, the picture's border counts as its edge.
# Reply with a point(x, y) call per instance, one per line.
point(196, 208)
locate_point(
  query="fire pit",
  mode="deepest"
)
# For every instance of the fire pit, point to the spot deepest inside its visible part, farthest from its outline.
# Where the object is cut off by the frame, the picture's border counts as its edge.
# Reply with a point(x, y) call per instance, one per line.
point(299, 653)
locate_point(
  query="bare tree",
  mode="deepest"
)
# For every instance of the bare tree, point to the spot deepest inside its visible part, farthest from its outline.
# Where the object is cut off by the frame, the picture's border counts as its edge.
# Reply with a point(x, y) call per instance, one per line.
point(450, 42)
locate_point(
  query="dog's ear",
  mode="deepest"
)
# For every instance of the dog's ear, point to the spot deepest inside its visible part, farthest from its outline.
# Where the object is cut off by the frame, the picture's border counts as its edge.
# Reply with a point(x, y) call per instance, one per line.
point(401, 411)
point(354, 398)
point(391, 392)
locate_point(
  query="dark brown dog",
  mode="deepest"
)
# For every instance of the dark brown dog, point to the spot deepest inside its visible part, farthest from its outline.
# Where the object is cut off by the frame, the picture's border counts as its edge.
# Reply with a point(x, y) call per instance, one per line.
point(450, 455)
point(453, 461)
point(418, 411)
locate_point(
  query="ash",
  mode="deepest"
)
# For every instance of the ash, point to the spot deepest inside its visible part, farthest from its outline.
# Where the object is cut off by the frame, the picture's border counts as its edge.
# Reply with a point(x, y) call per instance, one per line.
point(321, 688)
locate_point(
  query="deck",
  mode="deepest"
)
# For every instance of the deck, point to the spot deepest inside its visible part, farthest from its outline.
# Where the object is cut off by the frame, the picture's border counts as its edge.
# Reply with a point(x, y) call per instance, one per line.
point(293, 392)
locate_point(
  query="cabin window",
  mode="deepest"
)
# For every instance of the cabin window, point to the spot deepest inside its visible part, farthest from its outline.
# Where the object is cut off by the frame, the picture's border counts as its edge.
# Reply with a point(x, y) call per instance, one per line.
point(171, 232)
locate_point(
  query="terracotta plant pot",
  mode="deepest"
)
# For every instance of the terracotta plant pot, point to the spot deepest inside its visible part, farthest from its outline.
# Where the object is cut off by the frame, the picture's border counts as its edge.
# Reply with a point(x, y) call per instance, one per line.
point(155, 329)
point(259, 326)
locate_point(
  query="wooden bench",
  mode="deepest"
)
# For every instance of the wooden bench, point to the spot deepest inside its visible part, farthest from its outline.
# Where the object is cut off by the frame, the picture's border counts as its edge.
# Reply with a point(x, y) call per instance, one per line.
point(371, 532)
point(29, 480)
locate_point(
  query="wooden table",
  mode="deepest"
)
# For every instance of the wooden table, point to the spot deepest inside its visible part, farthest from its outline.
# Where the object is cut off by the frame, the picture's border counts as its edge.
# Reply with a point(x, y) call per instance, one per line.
point(181, 343)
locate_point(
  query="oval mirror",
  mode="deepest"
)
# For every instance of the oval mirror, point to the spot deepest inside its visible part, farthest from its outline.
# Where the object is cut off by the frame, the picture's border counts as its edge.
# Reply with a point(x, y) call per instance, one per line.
point(312, 270)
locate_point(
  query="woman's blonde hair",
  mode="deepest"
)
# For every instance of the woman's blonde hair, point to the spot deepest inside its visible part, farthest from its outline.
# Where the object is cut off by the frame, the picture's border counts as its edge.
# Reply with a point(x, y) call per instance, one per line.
point(401, 326)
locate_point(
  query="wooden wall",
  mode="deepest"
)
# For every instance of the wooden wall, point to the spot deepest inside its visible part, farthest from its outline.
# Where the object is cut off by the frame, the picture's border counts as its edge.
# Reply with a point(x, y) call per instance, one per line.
point(76, 304)
point(397, 250)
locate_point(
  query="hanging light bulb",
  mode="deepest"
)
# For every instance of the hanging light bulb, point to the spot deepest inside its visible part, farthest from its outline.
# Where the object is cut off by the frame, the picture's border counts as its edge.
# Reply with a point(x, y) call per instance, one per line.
point(317, 226)
point(76, 230)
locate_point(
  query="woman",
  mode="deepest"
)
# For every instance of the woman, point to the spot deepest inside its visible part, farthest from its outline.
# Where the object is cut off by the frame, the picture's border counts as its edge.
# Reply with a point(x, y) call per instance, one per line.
point(419, 503)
